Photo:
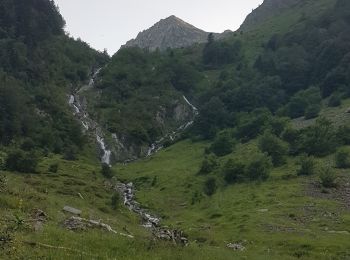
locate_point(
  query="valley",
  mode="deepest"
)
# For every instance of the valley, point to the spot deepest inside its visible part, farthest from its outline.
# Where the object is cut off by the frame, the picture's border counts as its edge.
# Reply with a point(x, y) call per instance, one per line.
point(184, 144)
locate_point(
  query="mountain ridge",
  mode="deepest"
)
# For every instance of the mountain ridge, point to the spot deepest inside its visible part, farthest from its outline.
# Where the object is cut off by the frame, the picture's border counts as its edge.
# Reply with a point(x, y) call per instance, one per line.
point(267, 9)
point(171, 32)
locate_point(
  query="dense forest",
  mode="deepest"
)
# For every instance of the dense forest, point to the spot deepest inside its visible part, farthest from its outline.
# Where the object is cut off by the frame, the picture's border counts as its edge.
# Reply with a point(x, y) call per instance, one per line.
point(40, 65)
point(290, 77)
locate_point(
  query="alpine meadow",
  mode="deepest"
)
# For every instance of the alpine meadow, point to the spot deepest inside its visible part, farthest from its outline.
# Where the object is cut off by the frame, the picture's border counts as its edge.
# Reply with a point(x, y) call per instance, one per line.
point(184, 144)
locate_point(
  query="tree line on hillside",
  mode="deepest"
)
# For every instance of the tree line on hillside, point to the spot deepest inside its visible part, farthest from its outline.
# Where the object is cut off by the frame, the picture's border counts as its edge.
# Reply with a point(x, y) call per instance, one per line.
point(39, 65)
point(290, 77)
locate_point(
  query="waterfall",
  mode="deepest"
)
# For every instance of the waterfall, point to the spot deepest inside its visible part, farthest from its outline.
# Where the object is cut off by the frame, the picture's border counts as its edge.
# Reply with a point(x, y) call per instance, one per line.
point(93, 78)
point(106, 157)
point(72, 103)
point(88, 124)
point(91, 125)
point(157, 146)
point(195, 110)
point(126, 190)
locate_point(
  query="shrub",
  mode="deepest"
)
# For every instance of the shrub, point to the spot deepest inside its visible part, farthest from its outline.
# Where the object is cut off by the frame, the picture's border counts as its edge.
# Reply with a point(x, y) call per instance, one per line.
point(291, 136)
point(258, 168)
point(307, 166)
point(343, 134)
point(210, 186)
point(3, 183)
point(222, 145)
point(115, 200)
point(53, 168)
point(106, 171)
point(2, 162)
point(233, 171)
point(334, 100)
point(278, 125)
point(70, 153)
point(274, 147)
point(342, 159)
point(328, 178)
point(154, 181)
point(18, 160)
point(209, 164)
point(196, 197)
point(303, 100)
point(28, 144)
point(312, 111)
point(319, 139)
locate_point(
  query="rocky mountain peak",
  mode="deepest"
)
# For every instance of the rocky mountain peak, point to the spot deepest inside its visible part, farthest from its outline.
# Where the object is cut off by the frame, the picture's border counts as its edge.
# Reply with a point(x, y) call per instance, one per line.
point(171, 32)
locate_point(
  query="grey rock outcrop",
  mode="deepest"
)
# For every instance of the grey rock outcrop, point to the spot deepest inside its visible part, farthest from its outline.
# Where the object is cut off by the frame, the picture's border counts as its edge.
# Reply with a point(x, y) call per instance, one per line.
point(171, 32)
point(72, 210)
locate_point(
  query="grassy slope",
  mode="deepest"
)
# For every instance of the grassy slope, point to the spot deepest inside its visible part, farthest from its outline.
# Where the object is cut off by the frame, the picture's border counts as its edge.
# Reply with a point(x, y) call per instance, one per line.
point(281, 24)
point(293, 226)
point(338, 115)
point(51, 192)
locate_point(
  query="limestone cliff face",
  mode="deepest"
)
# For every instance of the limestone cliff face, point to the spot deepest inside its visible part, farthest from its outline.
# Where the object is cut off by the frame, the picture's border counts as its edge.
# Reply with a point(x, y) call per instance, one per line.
point(172, 120)
point(171, 32)
point(267, 9)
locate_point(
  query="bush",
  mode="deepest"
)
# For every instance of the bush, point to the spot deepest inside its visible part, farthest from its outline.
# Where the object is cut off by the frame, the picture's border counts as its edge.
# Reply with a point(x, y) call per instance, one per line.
point(274, 147)
point(106, 171)
point(312, 111)
point(328, 178)
point(28, 144)
point(233, 172)
point(291, 136)
point(18, 160)
point(209, 164)
point(115, 201)
point(70, 153)
point(278, 125)
point(343, 134)
point(334, 100)
point(3, 183)
point(196, 197)
point(307, 166)
point(319, 139)
point(53, 168)
point(258, 168)
point(210, 186)
point(2, 161)
point(303, 100)
point(342, 159)
point(222, 145)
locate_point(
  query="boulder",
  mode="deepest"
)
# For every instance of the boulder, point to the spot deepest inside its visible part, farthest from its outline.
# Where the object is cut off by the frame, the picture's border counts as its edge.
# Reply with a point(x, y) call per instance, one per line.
point(72, 210)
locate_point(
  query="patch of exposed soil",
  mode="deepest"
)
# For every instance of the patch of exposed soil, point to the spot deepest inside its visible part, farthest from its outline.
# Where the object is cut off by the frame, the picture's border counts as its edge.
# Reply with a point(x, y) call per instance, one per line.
point(341, 193)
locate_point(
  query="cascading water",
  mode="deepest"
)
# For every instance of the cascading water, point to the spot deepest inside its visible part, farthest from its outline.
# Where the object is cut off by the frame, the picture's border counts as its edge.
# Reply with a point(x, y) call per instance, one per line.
point(195, 110)
point(127, 190)
point(88, 123)
point(157, 146)
point(106, 157)
point(93, 78)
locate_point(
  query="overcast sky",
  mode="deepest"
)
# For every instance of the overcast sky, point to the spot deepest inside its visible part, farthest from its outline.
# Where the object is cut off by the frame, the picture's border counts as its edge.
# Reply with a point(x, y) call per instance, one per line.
point(110, 23)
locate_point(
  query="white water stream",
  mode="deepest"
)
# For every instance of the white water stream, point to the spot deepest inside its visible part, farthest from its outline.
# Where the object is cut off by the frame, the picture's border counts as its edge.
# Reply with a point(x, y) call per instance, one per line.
point(88, 123)
point(157, 146)
point(127, 190)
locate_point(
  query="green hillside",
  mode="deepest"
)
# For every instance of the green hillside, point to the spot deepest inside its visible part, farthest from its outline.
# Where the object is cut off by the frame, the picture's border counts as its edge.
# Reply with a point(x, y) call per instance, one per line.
point(259, 171)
